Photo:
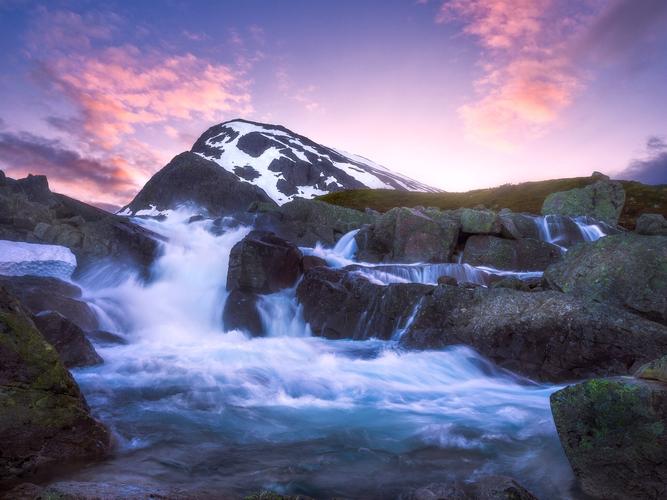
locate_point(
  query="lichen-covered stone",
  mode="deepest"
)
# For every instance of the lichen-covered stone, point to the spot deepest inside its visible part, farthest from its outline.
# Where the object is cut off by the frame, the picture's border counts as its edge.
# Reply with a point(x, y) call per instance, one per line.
point(479, 221)
point(651, 225)
point(614, 433)
point(627, 270)
point(524, 254)
point(44, 418)
point(602, 200)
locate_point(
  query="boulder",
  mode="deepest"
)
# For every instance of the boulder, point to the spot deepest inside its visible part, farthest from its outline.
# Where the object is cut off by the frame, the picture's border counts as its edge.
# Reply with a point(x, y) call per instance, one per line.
point(544, 335)
point(524, 254)
point(627, 270)
point(189, 179)
point(655, 370)
point(603, 200)
point(614, 434)
point(30, 212)
point(263, 263)
point(409, 235)
point(240, 313)
point(651, 225)
point(44, 419)
point(307, 222)
point(45, 294)
point(486, 488)
point(74, 349)
point(479, 221)
point(340, 304)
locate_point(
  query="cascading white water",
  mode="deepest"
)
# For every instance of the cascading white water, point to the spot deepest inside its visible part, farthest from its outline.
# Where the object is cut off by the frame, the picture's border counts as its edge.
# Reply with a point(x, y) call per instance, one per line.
point(192, 405)
point(567, 231)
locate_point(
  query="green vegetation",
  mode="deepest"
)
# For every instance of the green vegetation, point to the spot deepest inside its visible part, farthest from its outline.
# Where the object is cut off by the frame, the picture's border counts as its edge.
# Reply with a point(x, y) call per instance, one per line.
point(524, 197)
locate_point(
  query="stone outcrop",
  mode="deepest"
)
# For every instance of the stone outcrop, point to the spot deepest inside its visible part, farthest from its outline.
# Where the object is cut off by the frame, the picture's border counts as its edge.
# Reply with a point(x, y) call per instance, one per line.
point(603, 200)
point(625, 270)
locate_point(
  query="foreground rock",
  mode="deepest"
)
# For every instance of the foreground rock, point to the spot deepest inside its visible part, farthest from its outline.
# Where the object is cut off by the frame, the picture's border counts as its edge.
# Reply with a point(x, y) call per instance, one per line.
point(189, 179)
point(30, 212)
point(409, 235)
point(626, 270)
point(544, 335)
point(602, 200)
point(614, 434)
point(515, 255)
point(486, 488)
point(74, 349)
point(307, 222)
point(44, 419)
point(651, 225)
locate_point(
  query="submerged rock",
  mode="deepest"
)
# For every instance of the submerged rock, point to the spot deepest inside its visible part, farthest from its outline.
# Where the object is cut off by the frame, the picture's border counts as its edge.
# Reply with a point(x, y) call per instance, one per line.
point(545, 335)
point(486, 488)
point(517, 255)
point(44, 419)
point(625, 270)
point(74, 349)
point(602, 200)
point(409, 235)
point(651, 225)
point(614, 433)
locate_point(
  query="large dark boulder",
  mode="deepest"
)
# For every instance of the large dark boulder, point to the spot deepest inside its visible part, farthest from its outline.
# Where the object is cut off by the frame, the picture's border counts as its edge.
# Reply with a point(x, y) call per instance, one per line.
point(44, 419)
point(409, 235)
point(241, 313)
point(524, 254)
point(544, 335)
point(602, 200)
point(340, 304)
point(190, 179)
point(651, 225)
point(45, 294)
point(307, 222)
point(74, 349)
point(626, 270)
point(30, 212)
point(614, 433)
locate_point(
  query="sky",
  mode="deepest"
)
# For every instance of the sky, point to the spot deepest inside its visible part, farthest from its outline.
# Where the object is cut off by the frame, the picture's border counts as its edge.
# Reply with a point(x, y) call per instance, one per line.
point(459, 94)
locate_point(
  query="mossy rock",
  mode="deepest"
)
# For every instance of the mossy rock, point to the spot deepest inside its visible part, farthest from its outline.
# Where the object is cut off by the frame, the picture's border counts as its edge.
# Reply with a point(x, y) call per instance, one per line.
point(479, 221)
point(614, 433)
point(602, 200)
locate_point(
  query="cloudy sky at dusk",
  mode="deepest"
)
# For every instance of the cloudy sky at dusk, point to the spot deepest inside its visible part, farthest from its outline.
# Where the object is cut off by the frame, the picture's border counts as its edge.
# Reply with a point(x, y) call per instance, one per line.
point(458, 94)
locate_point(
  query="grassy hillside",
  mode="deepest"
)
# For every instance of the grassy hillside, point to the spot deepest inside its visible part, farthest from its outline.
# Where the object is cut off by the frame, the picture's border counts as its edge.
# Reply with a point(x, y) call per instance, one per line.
point(524, 197)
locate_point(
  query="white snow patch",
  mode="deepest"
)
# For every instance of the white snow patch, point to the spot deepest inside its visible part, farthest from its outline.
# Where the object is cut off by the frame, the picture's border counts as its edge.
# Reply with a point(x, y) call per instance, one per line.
point(19, 259)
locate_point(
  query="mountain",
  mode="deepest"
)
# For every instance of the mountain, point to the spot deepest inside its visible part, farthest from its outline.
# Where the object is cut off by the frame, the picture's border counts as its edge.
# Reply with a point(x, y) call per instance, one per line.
point(260, 162)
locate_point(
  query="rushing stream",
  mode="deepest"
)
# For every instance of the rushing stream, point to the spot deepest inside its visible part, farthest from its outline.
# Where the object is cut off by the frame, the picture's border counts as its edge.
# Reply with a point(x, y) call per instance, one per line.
point(194, 407)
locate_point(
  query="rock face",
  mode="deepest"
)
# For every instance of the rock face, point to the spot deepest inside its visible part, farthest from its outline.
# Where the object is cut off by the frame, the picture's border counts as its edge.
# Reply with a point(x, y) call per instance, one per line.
point(191, 179)
point(602, 200)
point(486, 488)
point(614, 434)
point(44, 419)
point(626, 270)
point(544, 335)
point(307, 222)
point(409, 235)
point(651, 225)
point(339, 304)
point(288, 165)
point(517, 255)
point(30, 212)
point(74, 349)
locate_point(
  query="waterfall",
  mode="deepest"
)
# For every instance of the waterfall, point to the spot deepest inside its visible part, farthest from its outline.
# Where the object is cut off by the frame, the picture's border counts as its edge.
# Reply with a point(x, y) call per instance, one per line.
point(567, 231)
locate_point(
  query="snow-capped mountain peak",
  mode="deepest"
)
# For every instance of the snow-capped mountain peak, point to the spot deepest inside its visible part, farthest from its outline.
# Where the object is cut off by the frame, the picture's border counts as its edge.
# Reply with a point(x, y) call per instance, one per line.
point(287, 165)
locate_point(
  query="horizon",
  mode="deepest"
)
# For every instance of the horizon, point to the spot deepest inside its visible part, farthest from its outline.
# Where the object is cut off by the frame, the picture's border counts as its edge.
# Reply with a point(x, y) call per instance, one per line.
point(457, 95)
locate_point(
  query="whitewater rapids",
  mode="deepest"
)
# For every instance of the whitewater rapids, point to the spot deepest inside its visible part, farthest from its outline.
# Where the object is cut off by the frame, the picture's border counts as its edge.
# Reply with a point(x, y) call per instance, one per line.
point(191, 405)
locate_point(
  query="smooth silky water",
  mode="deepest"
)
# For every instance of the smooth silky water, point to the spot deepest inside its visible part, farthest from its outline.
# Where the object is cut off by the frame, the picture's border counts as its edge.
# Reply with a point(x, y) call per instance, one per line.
point(194, 407)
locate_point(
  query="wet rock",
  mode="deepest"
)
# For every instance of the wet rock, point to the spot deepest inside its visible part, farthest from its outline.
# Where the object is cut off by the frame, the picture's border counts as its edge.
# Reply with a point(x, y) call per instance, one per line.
point(614, 434)
point(263, 263)
point(74, 349)
point(189, 179)
point(602, 200)
point(240, 313)
point(308, 262)
point(651, 225)
point(627, 270)
point(45, 294)
point(516, 255)
point(544, 335)
point(106, 338)
point(655, 370)
point(44, 419)
point(30, 212)
point(409, 235)
point(447, 280)
point(75, 490)
point(340, 304)
point(486, 488)
point(514, 283)
point(307, 222)
point(479, 221)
